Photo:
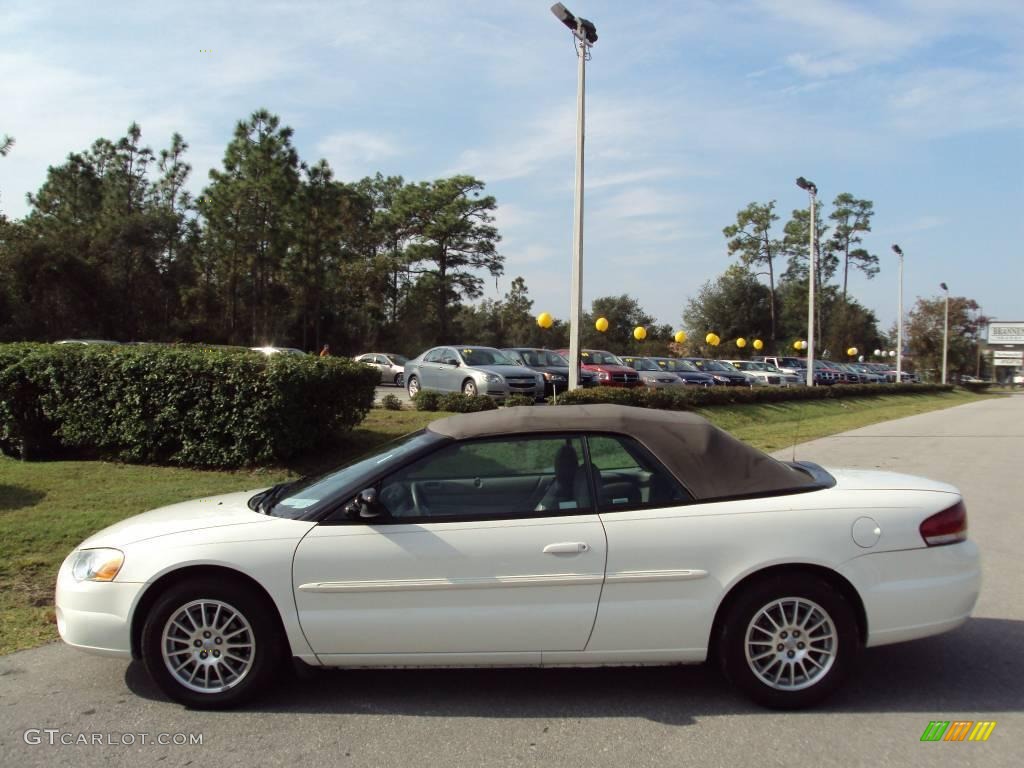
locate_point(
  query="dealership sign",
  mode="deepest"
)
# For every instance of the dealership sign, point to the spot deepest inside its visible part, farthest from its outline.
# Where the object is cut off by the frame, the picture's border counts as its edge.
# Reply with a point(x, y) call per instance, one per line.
point(1013, 354)
point(1006, 333)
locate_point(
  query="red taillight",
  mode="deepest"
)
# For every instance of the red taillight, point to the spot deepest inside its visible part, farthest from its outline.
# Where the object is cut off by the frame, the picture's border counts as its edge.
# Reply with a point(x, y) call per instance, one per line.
point(946, 527)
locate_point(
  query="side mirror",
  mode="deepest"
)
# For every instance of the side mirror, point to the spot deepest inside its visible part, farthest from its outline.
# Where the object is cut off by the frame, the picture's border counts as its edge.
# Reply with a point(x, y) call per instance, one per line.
point(451, 361)
point(365, 506)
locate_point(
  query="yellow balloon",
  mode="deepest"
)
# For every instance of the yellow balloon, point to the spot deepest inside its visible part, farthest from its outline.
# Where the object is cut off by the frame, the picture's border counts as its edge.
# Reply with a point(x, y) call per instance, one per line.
point(758, 344)
point(708, 338)
point(680, 337)
point(544, 320)
point(851, 351)
point(797, 345)
point(601, 324)
point(639, 333)
point(741, 343)
point(713, 339)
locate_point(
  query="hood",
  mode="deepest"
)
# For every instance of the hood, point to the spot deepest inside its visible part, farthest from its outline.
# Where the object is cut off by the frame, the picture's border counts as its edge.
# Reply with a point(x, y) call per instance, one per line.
point(211, 512)
point(880, 480)
point(609, 368)
point(504, 370)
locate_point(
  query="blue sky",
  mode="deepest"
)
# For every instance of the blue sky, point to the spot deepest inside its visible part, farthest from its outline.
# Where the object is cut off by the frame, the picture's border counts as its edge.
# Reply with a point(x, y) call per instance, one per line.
point(694, 110)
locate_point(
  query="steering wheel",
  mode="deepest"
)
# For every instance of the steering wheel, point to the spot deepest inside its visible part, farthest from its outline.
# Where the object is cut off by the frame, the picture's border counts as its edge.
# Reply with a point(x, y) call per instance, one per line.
point(419, 507)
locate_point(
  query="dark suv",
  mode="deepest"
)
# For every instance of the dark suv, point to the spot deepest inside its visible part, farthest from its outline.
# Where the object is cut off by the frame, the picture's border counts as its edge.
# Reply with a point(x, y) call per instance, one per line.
point(723, 373)
point(551, 365)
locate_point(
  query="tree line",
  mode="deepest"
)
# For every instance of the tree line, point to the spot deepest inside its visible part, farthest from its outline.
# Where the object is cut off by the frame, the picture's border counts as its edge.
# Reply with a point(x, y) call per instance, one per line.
point(278, 251)
point(272, 251)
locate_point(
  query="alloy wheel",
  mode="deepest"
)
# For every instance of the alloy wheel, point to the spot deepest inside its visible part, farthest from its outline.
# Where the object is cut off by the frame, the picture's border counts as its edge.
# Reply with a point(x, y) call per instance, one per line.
point(208, 646)
point(791, 644)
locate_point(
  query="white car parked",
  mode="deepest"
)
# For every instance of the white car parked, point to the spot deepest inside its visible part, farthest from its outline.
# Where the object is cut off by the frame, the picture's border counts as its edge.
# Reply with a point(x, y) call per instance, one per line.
point(560, 536)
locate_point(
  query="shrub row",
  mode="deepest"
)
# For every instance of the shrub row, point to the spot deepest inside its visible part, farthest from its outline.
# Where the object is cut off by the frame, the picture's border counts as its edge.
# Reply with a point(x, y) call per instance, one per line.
point(186, 406)
point(686, 398)
point(454, 402)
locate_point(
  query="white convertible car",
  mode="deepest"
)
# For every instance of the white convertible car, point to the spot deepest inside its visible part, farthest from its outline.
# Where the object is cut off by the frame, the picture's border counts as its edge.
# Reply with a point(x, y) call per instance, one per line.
point(560, 536)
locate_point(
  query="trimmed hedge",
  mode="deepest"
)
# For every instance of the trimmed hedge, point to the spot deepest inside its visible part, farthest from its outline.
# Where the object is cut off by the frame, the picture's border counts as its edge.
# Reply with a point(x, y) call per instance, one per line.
point(687, 398)
point(515, 400)
point(453, 402)
point(192, 407)
point(391, 403)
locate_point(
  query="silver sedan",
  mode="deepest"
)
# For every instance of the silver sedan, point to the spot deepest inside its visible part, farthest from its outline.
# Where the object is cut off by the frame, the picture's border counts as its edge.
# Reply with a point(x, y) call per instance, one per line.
point(390, 365)
point(472, 371)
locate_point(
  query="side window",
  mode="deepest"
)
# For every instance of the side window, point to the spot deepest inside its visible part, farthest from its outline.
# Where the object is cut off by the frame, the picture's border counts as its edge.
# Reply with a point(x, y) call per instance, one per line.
point(433, 356)
point(483, 479)
point(629, 477)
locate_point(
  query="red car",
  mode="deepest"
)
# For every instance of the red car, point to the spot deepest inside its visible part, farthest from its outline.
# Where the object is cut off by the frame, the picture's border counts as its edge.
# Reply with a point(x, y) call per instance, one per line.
point(610, 370)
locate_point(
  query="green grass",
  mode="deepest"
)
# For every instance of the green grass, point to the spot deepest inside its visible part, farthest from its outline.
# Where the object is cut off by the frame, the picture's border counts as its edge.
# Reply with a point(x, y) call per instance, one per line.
point(47, 508)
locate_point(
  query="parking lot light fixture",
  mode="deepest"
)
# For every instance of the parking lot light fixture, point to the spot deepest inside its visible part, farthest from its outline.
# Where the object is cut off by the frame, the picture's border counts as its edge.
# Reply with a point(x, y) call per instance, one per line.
point(945, 332)
point(812, 190)
point(899, 320)
point(585, 35)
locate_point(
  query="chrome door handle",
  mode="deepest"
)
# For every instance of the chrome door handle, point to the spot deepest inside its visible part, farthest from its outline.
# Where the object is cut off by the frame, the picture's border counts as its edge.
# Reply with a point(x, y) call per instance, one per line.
point(566, 547)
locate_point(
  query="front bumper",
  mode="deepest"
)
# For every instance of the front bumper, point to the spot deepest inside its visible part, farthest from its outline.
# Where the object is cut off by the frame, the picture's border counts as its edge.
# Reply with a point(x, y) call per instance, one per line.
point(95, 616)
point(916, 593)
point(503, 390)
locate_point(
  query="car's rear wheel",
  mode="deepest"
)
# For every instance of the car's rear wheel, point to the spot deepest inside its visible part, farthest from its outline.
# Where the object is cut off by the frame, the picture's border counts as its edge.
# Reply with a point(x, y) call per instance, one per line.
point(788, 642)
point(211, 644)
point(469, 388)
point(398, 379)
point(413, 386)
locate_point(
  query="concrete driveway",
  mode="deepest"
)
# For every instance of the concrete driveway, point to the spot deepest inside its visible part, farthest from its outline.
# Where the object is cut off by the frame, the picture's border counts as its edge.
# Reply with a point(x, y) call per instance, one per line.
point(600, 717)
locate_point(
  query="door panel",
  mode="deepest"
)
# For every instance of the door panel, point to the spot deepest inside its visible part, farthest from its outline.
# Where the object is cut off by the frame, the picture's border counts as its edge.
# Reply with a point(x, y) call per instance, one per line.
point(465, 587)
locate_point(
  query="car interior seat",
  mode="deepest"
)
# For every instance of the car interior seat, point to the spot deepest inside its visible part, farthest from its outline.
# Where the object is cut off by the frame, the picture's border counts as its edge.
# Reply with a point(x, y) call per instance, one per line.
point(562, 490)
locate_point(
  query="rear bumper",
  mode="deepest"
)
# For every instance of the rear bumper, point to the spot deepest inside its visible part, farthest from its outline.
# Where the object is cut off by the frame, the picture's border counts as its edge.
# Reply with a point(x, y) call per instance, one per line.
point(916, 593)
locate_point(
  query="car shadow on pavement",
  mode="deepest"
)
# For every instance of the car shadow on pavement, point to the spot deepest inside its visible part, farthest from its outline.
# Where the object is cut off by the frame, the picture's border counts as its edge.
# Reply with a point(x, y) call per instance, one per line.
point(977, 668)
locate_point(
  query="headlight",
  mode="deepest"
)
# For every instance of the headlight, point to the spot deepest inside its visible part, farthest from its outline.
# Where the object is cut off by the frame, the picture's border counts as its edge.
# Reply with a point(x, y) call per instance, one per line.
point(723, 379)
point(491, 378)
point(602, 376)
point(97, 564)
point(554, 377)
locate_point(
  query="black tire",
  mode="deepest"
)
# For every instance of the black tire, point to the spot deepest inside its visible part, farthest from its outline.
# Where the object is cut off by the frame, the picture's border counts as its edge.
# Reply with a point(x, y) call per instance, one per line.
point(816, 599)
point(412, 386)
point(469, 388)
point(260, 663)
point(398, 379)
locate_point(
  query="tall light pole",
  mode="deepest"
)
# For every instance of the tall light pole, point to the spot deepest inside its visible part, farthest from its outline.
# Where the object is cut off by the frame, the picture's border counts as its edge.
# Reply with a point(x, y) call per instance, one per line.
point(812, 190)
point(585, 35)
point(945, 333)
point(899, 321)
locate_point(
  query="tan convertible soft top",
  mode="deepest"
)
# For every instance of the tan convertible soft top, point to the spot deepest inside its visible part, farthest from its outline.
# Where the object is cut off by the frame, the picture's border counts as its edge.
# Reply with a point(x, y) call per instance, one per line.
point(708, 461)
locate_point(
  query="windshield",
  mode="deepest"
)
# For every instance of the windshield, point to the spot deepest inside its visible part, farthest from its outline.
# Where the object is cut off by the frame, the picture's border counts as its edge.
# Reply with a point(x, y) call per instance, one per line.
point(592, 357)
point(542, 357)
point(484, 356)
point(643, 364)
point(678, 365)
point(349, 478)
point(716, 365)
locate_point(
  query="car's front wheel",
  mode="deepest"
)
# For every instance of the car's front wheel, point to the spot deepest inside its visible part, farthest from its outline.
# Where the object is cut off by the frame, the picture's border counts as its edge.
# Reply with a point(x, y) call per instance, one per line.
point(211, 644)
point(413, 386)
point(469, 388)
point(788, 641)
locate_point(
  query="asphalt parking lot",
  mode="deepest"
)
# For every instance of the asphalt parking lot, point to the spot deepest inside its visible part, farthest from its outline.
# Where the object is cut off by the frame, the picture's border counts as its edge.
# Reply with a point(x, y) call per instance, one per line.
point(383, 390)
point(602, 717)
